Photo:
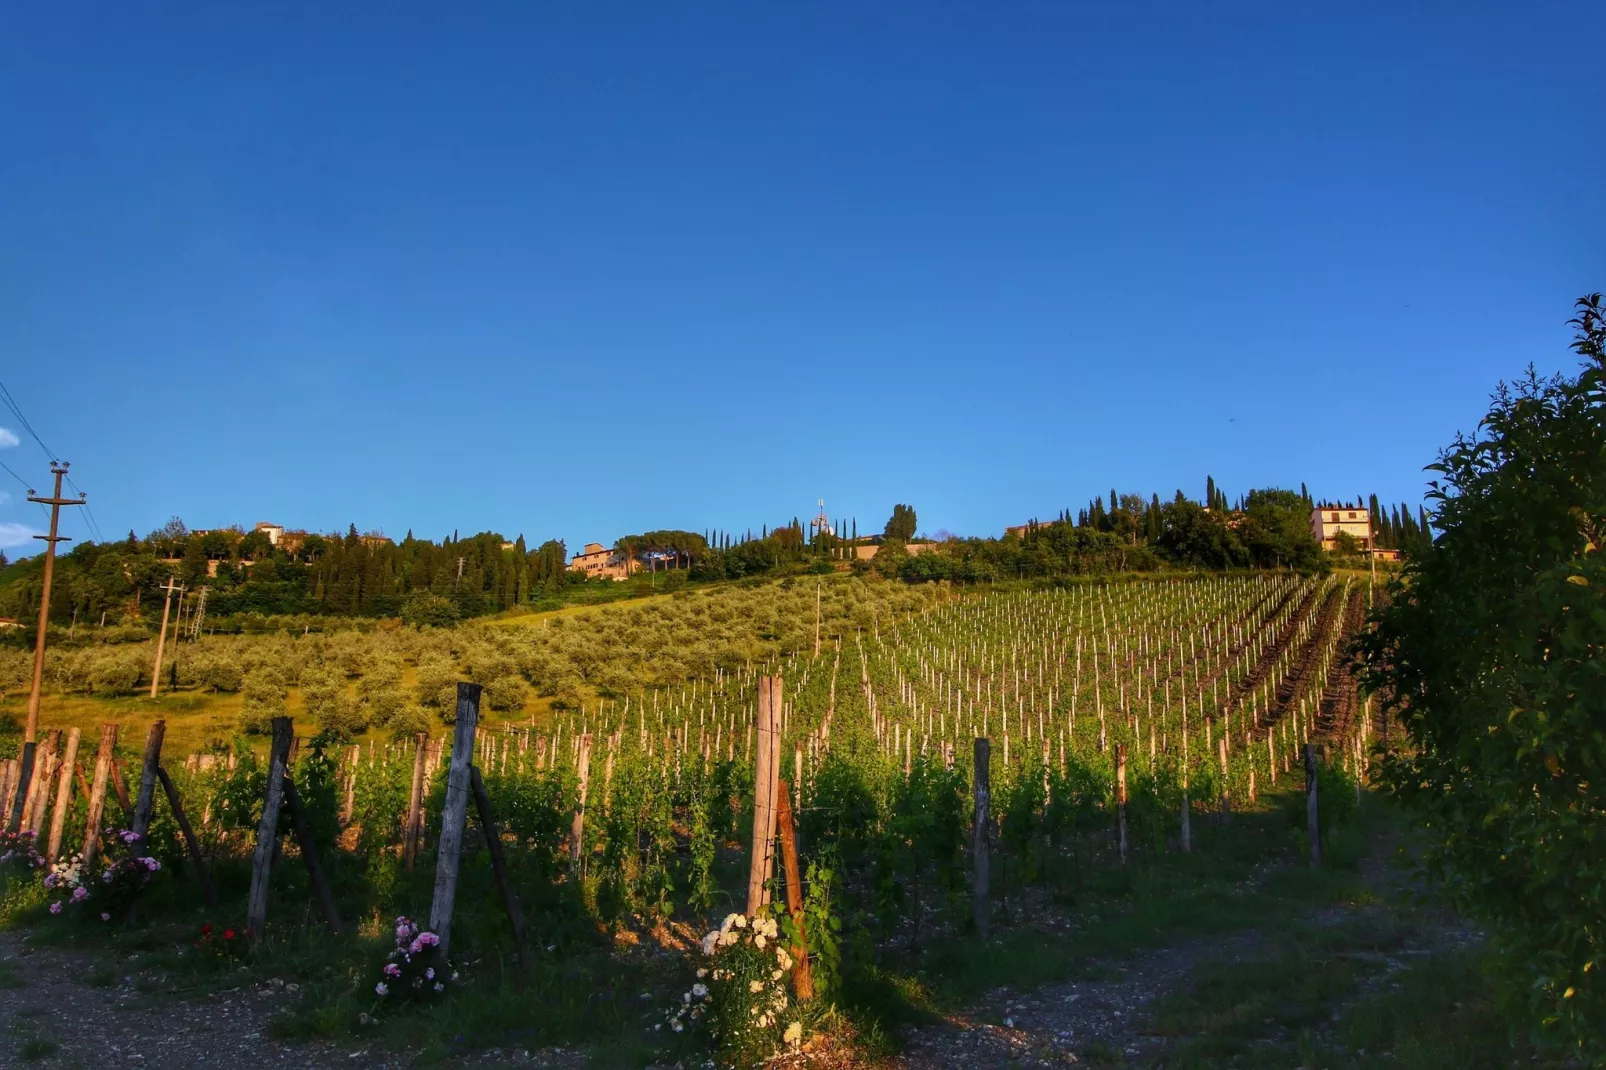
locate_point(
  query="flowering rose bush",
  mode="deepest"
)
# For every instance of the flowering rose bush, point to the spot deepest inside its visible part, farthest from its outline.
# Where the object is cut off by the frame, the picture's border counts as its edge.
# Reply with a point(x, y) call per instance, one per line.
point(226, 945)
point(415, 970)
point(740, 996)
point(19, 853)
point(114, 888)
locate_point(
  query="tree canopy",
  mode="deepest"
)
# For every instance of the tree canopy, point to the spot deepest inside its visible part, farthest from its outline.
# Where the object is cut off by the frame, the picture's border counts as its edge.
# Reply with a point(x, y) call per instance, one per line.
point(1491, 653)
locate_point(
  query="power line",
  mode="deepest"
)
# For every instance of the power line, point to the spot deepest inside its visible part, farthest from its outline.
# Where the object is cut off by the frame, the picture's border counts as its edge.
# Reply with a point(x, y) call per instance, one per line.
point(16, 410)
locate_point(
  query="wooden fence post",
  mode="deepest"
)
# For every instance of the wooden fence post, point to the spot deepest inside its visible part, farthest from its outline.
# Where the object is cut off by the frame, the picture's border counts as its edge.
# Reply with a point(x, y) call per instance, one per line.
point(38, 790)
point(58, 818)
point(802, 976)
point(762, 860)
point(493, 842)
point(309, 853)
point(415, 801)
point(97, 793)
point(454, 815)
point(582, 763)
point(1120, 795)
point(147, 780)
point(19, 793)
point(177, 806)
point(268, 829)
point(980, 826)
point(1313, 825)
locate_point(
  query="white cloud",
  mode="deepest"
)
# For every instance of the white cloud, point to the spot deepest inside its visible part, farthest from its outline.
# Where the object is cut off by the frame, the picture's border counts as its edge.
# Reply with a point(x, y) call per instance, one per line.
point(8, 438)
point(13, 535)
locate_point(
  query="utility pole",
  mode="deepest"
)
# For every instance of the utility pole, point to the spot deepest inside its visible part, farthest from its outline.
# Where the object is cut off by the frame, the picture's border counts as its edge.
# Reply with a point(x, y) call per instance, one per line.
point(161, 637)
point(459, 574)
point(31, 731)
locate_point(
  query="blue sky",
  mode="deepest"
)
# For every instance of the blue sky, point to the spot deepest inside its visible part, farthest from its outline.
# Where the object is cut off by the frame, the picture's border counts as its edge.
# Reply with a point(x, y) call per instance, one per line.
point(579, 270)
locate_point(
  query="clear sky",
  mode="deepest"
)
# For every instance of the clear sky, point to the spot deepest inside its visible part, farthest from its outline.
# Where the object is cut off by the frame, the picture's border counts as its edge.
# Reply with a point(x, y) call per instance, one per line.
point(577, 270)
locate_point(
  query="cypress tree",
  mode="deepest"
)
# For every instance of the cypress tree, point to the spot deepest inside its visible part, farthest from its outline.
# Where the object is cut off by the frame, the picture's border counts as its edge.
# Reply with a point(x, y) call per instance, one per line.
point(1210, 492)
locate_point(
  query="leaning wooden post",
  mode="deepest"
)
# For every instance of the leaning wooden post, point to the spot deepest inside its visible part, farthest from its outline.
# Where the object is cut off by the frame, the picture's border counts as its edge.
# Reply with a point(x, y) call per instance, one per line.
point(802, 976)
point(97, 794)
point(147, 780)
point(58, 817)
point(415, 800)
point(762, 859)
point(19, 794)
point(1120, 795)
point(1226, 798)
point(176, 804)
point(1313, 825)
point(121, 790)
point(577, 827)
point(268, 829)
point(980, 825)
point(493, 841)
point(454, 814)
point(309, 854)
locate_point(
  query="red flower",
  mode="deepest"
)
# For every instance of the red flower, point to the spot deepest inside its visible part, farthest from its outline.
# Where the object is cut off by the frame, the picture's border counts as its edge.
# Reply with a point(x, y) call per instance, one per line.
point(228, 934)
point(206, 928)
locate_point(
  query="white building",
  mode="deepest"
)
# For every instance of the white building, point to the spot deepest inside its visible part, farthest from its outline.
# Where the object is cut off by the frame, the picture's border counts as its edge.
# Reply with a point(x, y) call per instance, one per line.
point(1328, 520)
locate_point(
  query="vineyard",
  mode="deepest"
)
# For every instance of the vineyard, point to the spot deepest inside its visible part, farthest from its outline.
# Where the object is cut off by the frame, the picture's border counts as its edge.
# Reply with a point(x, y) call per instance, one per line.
point(616, 757)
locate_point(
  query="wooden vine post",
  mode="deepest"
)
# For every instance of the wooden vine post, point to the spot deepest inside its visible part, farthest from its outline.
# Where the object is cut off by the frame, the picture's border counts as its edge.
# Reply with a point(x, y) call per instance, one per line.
point(762, 860)
point(190, 842)
point(309, 853)
point(802, 975)
point(577, 828)
point(980, 824)
point(493, 842)
point(415, 800)
point(97, 793)
point(268, 829)
point(1313, 825)
point(1120, 796)
point(147, 780)
point(58, 817)
point(455, 814)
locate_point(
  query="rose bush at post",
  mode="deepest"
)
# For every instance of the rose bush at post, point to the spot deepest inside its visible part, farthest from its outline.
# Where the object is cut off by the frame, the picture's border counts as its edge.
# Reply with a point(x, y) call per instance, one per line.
point(415, 969)
point(740, 998)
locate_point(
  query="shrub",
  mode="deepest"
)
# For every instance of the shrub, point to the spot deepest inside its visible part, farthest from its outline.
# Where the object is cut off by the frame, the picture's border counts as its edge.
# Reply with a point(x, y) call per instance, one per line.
point(1488, 653)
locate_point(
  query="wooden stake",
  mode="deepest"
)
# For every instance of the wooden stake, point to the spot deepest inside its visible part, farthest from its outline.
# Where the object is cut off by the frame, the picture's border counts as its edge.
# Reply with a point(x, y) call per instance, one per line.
point(980, 826)
point(761, 861)
point(415, 801)
point(176, 804)
point(147, 780)
point(1120, 795)
point(510, 902)
point(802, 975)
point(577, 827)
point(97, 794)
point(309, 854)
point(454, 815)
point(268, 829)
point(58, 819)
point(1313, 826)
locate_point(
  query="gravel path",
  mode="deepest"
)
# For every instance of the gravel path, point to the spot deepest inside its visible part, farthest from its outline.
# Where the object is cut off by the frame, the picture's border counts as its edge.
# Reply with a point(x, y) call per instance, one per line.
point(54, 1014)
point(50, 1011)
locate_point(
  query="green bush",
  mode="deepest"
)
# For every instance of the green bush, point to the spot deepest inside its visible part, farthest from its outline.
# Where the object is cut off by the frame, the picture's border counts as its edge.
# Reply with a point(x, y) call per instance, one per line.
point(1489, 654)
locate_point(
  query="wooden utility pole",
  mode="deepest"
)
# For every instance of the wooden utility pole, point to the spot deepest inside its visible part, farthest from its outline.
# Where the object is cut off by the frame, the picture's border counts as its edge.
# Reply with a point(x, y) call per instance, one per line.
point(31, 731)
point(161, 637)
